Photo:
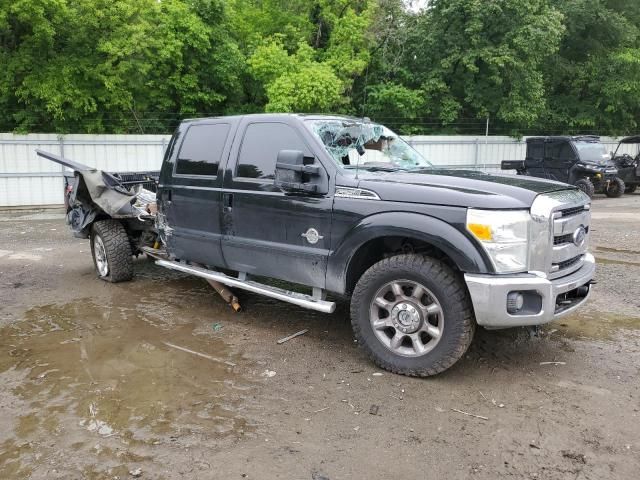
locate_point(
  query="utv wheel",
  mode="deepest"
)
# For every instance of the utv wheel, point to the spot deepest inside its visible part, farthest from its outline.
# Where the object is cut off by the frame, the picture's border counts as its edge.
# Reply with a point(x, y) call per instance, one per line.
point(111, 251)
point(586, 186)
point(616, 188)
point(630, 188)
point(412, 315)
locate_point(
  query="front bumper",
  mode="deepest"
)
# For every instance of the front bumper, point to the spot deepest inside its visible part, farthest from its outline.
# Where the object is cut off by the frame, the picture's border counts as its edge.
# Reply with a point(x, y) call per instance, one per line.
point(550, 298)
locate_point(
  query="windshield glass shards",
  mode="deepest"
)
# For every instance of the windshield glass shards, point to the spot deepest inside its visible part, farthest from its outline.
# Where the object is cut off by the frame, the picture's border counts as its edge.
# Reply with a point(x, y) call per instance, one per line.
point(366, 145)
point(592, 152)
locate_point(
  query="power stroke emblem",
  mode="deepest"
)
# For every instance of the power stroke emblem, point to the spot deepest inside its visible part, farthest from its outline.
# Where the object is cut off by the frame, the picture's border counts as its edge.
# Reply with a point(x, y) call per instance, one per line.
point(312, 236)
point(579, 235)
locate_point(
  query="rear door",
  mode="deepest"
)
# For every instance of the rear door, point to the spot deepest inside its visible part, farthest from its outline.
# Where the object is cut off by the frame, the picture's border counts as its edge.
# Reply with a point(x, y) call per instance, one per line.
point(268, 232)
point(191, 198)
point(559, 158)
point(535, 157)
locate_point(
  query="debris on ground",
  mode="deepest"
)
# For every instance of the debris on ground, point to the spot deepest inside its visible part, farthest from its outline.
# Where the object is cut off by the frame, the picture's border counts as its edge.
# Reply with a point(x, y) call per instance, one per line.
point(373, 410)
point(470, 414)
point(553, 363)
point(293, 335)
point(533, 445)
point(217, 326)
point(576, 457)
point(136, 473)
point(268, 373)
point(377, 374)
point(198, 354)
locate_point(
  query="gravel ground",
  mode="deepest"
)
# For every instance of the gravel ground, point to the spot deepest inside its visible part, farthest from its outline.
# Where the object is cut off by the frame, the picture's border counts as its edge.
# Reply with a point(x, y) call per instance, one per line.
point(158, 378)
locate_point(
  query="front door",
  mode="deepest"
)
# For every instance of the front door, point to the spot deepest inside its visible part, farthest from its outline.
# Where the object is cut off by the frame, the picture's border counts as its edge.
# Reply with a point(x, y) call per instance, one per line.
point(267, 232)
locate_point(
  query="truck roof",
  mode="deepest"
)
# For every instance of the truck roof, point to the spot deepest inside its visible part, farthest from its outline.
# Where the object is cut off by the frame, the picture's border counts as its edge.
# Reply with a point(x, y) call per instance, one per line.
point(568, 138)
point(275, 116)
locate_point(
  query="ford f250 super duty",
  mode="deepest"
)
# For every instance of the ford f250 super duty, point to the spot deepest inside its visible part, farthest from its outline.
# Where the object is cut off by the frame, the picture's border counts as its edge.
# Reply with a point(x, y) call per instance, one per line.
point(345, 207)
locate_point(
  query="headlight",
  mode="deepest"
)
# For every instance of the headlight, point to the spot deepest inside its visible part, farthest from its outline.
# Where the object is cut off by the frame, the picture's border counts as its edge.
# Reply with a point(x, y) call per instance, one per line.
point(503, 234)
point(587, 166)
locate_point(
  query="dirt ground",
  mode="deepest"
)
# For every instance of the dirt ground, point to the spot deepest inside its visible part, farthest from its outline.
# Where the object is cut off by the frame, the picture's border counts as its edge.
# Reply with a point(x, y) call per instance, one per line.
point(101, 381)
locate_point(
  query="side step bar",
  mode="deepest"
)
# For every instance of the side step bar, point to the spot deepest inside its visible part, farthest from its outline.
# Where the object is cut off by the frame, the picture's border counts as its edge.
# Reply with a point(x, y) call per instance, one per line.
point(306, 301)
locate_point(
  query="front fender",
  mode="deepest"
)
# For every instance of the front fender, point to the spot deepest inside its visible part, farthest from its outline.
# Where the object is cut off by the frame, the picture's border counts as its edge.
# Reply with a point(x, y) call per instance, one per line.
point(467, 256)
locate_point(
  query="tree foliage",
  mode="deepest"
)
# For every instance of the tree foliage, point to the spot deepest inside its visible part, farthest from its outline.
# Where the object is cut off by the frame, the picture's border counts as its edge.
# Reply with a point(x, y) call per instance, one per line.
point(539, 66)
point(593, 81)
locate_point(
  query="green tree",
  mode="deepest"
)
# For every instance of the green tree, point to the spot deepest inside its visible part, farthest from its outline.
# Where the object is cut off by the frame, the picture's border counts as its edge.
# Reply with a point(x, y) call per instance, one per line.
point(318, 74)
point(594, 79)
point(103, 65)
point(474, 59)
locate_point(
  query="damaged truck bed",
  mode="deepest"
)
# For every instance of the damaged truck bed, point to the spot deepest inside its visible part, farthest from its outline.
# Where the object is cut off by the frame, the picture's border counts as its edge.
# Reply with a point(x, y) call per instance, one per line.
point(92, 195)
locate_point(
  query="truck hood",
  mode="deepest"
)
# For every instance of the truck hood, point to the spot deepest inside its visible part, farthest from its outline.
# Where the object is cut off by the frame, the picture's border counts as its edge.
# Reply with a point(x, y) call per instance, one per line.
point(465, 188)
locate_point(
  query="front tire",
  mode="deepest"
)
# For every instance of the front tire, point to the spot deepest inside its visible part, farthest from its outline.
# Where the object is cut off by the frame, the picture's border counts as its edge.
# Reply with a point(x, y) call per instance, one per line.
point(615, 188)
point(586, 186)
point(412, 315)
point(111, 251)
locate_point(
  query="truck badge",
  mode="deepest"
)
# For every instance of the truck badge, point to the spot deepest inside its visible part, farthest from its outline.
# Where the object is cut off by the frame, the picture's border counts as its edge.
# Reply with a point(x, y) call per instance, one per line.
point(579, 236)
point(312, 236)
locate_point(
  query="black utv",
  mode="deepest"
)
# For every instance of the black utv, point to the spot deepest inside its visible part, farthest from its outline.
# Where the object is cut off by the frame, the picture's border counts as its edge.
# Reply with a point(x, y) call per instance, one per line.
point(628, 165)
point(580, 160)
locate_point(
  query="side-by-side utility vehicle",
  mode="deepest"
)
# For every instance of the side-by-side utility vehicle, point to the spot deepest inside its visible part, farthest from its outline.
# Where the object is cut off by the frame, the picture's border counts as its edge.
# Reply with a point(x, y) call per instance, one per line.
point(343, 207)
point(628, 165)
point(582, 161)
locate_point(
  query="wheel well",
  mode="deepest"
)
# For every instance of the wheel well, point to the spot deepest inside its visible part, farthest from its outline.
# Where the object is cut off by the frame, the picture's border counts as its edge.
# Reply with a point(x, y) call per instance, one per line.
point(380, 248)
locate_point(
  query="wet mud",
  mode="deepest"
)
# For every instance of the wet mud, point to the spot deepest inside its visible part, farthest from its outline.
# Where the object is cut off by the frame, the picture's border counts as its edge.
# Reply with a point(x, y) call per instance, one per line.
point(158, 374)
point(109, 381)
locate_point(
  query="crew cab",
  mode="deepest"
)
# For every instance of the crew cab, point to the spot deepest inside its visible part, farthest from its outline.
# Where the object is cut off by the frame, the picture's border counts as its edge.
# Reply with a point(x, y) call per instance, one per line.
point(344, 208)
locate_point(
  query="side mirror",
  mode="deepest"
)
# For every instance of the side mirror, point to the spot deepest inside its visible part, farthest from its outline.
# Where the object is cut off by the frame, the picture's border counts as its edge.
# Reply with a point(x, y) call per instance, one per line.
point(297, 173)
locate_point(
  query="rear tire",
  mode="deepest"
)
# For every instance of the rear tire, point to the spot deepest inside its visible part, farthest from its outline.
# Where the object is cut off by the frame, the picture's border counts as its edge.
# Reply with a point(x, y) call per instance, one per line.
point(412, 315)
point(615, 189)
point(586, 186)
point(111, 251)
point(630, 188)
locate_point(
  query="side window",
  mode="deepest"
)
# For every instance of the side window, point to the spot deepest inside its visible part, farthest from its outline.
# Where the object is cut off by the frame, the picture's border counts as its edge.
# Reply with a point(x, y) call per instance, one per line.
point(553, 150)
point(566, 154)
point(536, 150)
point(260, 147)
point(201, 149)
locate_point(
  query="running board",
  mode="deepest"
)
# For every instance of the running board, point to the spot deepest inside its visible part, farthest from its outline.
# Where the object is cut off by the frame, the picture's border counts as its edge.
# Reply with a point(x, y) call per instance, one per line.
point(306, 301)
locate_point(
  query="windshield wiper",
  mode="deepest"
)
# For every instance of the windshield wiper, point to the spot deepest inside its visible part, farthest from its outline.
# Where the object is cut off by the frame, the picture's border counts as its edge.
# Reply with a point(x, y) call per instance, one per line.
point(372, 168)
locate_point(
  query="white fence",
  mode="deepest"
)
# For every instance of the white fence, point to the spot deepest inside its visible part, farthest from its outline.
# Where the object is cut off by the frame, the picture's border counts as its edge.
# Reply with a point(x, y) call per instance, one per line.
point(26, 179)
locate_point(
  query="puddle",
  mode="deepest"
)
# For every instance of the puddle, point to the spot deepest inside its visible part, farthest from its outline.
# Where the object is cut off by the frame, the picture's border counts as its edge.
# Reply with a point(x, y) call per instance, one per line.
point(597, 325)
point(112, 376)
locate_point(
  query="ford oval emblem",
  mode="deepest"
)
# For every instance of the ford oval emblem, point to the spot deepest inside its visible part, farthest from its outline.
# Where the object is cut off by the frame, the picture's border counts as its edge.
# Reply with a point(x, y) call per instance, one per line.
point(579, 235)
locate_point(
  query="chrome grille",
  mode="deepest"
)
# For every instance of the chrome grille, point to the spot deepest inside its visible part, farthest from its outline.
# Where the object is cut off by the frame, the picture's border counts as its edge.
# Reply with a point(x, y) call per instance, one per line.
point(557, 217)
point(567, 263)
point(567, 212)
point(567, 256)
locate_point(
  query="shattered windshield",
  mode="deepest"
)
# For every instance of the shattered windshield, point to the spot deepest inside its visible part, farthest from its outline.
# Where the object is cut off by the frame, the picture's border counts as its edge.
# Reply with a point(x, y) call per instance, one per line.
point(366, 145)
point(592, 152)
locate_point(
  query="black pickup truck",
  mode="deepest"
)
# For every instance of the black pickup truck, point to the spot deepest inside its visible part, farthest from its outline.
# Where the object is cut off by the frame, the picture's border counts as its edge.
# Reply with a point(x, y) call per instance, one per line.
point(344, 207)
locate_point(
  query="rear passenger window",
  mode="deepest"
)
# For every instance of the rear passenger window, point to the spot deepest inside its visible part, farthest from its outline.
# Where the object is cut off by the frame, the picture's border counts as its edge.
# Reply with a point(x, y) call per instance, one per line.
point(260, 147)
point(201, 149)
point(536, 150)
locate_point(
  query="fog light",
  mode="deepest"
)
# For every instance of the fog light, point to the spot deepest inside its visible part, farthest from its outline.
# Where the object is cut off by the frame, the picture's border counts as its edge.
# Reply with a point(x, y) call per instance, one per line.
point(515, 302)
